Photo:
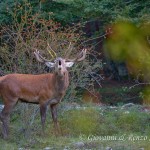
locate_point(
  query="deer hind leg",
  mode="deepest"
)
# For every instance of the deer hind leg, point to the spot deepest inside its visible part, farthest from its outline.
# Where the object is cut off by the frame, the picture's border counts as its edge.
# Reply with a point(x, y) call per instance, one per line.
point(54, 117)
point(5, 116)
point(43, 108)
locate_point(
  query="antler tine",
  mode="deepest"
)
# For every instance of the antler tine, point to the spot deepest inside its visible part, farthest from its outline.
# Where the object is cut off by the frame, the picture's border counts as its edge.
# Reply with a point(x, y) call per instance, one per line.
point(51, 50)
point(40, 58)
point(36, 53)
point(69, 45)
point(79, 57)
point(68, 51)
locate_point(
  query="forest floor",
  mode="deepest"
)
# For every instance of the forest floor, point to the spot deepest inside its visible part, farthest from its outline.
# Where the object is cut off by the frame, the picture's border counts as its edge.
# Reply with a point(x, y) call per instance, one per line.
point(124, 127)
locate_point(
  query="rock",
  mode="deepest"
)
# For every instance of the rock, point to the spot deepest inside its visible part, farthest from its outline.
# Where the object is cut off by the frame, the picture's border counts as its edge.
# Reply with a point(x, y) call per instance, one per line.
point(113, 107)
point(47, 148)
point(128, 105)
point(141, 149)
point(108, 148)
point(66, 148)
point(1, 107)
point(70, 106)
point(79, 145)
point(126, 112)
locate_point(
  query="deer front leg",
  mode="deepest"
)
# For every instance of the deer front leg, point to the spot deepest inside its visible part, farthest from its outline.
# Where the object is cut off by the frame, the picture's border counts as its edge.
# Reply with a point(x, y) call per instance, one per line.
point(43, 108)
point(54, 117)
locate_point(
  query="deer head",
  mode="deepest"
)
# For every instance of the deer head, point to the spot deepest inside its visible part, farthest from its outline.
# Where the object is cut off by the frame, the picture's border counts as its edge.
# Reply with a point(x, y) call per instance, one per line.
point(60, 65)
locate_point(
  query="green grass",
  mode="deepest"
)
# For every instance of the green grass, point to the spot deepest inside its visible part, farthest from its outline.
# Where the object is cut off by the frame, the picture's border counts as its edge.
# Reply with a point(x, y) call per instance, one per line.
point(90, 125)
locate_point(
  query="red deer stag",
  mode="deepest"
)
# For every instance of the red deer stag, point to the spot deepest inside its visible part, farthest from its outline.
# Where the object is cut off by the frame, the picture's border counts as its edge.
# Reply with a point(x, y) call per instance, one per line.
point(43, 89)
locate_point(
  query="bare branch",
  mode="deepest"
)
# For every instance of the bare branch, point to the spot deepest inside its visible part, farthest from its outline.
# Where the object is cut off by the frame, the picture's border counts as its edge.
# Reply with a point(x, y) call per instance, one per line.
point(139, 84)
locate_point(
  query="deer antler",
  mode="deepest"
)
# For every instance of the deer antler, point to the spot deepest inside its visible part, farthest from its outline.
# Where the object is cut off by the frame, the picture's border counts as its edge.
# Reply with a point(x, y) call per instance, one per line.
point(51, 50)
point(40, 58)
point(69, 46)
point(68, 51)
point(79, 56)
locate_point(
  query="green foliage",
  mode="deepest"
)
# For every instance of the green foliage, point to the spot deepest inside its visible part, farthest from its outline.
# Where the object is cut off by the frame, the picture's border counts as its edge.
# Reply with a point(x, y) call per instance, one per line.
point(67, 12)
point(128, 44)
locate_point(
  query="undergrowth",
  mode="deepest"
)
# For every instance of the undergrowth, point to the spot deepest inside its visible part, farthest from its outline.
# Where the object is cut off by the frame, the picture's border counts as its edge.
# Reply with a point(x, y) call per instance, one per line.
point(88, 124)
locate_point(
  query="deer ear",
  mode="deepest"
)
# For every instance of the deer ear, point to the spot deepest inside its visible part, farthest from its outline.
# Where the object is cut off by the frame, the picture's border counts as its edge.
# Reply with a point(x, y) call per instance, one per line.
point(69, 64)
point(50, 64)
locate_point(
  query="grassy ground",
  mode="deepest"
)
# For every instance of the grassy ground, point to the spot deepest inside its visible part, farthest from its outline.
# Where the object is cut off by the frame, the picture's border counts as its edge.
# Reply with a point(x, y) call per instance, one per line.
point(86, 127)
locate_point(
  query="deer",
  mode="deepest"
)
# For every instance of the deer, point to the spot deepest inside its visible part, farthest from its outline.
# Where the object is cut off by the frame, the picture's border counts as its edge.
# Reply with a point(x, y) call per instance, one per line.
point(43, 89)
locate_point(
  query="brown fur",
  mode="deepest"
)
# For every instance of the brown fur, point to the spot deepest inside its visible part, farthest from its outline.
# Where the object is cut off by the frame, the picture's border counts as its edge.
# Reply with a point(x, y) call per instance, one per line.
point(43, 89)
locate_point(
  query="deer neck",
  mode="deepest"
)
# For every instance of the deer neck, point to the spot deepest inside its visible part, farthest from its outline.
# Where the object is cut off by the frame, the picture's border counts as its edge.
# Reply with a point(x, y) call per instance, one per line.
point(61, 82)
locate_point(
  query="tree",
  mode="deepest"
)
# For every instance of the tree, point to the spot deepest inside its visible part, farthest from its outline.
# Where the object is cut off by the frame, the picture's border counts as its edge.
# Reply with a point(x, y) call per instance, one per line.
point(68, 12)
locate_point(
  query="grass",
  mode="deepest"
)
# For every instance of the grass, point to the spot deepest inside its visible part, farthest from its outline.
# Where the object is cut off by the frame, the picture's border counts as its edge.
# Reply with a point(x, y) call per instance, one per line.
point(97, 127)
